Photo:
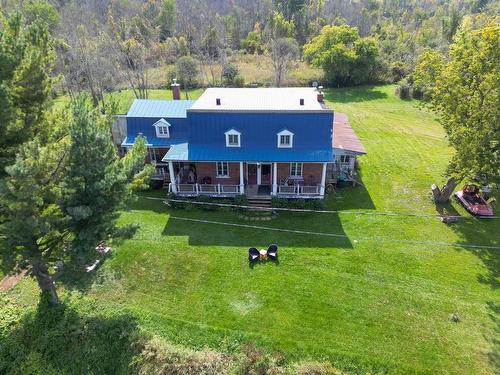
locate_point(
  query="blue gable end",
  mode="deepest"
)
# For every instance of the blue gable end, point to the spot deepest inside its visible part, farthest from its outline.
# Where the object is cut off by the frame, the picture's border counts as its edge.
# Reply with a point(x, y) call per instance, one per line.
point(178, 131)
point(143, 114)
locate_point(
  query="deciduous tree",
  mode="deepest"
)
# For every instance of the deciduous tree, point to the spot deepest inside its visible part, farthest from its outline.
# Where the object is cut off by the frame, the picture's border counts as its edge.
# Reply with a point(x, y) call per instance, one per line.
point(467, 99)
point(343, 55)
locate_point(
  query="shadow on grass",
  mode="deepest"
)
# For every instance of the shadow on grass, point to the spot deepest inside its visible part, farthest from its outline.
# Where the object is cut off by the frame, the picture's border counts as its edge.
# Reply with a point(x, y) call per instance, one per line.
point(348, 197)
point(288, 230)
point(60, 340)
point(482, 232)
point(354, 94)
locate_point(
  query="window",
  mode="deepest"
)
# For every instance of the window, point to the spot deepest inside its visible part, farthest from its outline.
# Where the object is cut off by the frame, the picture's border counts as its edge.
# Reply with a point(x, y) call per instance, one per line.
point(162, 128)
point(296, 169)
point(222, 169)
point(285, 139)
point(345, 159)
point(233, 138)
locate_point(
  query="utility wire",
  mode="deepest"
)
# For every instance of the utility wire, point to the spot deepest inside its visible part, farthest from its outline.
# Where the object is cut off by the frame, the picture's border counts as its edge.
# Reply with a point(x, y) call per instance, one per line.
point(340, 212)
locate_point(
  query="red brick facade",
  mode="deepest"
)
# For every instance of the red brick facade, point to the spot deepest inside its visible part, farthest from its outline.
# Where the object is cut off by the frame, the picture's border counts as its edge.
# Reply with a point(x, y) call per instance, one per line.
point(208, 169)
point(311, 173)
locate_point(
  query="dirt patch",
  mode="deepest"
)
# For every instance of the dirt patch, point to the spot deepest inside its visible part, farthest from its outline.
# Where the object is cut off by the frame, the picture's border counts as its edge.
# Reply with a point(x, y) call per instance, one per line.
point(10, 281)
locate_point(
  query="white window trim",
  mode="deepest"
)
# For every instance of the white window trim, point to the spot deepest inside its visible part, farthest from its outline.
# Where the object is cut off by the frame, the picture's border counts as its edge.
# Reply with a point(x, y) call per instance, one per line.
point(162, 123)
point(301, 169)
point(285, 132)
point(217, 169)
point(233, 132)
point(344, 157)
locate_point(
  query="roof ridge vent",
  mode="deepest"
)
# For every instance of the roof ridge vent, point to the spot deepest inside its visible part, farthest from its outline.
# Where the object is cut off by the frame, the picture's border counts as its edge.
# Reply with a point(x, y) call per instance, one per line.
point(301, 101)
point(217, 101)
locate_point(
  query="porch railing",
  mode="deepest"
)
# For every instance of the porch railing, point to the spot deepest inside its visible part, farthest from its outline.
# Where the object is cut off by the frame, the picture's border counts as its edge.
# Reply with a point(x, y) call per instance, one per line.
point(208, 189)
point(299, 190)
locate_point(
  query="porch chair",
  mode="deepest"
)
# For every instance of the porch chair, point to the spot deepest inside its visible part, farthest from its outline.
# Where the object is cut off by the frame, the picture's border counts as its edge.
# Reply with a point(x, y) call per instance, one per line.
point(272, 251)
point(253, 254)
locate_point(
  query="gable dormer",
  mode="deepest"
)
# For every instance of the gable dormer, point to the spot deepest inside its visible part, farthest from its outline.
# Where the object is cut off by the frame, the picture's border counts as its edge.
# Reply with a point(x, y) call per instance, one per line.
point(285, 139)
point(233, 138)
point(162, 128)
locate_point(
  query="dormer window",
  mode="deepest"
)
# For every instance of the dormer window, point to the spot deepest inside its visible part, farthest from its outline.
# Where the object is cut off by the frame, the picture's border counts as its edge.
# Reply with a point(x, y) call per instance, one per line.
point(285, 139)
point(233, 138)
point(162, 128)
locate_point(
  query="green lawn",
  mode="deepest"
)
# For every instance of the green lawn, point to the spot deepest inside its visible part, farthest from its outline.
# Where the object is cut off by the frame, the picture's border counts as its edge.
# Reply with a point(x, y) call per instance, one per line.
point(376, 298)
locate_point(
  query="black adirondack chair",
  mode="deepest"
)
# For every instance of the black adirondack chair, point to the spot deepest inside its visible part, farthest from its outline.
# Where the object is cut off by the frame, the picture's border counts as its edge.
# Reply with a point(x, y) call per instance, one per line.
point(253, 254)
point(272, 251)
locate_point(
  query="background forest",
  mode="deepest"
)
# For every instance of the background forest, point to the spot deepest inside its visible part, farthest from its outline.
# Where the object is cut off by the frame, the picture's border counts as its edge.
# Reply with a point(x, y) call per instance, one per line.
point(107, 45)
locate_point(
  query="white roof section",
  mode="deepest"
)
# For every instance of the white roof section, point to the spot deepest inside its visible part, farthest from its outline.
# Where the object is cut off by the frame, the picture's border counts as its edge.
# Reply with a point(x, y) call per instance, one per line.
point(259, 100)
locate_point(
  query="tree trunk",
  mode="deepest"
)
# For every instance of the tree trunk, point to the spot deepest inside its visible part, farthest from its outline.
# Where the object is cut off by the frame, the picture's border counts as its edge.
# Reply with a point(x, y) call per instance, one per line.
point(447, 190)
point(46, 282)
point(443, 195)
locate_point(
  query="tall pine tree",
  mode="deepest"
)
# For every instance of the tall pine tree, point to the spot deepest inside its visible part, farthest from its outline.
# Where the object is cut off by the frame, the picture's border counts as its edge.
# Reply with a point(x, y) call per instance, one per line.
point(60, 199)
point(26, 62)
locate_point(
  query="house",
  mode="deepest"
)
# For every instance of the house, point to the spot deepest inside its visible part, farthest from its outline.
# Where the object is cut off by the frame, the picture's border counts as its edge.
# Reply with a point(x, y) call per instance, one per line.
point(255, 141)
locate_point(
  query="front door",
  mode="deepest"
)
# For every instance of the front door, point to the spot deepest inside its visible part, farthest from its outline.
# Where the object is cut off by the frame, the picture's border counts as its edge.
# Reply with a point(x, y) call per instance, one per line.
point(265, 171)
point(252, 174)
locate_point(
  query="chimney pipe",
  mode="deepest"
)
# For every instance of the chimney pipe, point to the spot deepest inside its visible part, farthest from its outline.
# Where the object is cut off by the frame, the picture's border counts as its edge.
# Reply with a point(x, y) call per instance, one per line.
point(321, 95)
point(176, 90)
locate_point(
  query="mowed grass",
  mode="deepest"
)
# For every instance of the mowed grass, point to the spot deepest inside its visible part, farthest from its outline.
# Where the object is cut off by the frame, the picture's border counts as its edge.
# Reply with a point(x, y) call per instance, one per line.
point(371, 294)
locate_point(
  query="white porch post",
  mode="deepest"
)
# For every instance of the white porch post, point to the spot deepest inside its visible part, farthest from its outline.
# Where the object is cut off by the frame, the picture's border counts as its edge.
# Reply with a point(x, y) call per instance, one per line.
point(242, 184)
point(323, 181)
point(172, 177)
point(275, 178)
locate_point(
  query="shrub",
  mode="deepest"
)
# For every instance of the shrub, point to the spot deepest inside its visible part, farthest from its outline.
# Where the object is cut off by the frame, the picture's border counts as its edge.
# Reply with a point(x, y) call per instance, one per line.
point(175, 205)
point(229, 73)
point(417, 93)
point(240, 200)
point(399, 69)
point(187, 71)
point(205, 207)
point(315, 204)
point(403, 90)
point(298, 203)
point(155, 184)
point(279, 202)
point(239, 81)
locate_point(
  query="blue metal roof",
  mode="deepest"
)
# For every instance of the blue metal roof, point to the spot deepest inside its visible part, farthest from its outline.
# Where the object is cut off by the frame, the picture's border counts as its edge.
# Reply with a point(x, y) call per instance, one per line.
point(196, 152)
point(153, 141)
point(159, 108)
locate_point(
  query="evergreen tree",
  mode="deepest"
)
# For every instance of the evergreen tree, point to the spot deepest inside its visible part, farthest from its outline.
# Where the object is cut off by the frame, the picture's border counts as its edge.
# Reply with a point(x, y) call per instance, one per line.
point(167, 19)
point(26, 62)
point(60, 199)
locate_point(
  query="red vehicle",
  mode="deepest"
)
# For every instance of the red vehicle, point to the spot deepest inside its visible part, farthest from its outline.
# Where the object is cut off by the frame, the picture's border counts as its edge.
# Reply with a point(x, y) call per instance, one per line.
point(471, 199)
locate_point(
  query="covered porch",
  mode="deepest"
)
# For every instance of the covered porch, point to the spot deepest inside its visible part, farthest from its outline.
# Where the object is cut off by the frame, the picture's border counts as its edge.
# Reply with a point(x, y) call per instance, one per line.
point(254, 179)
